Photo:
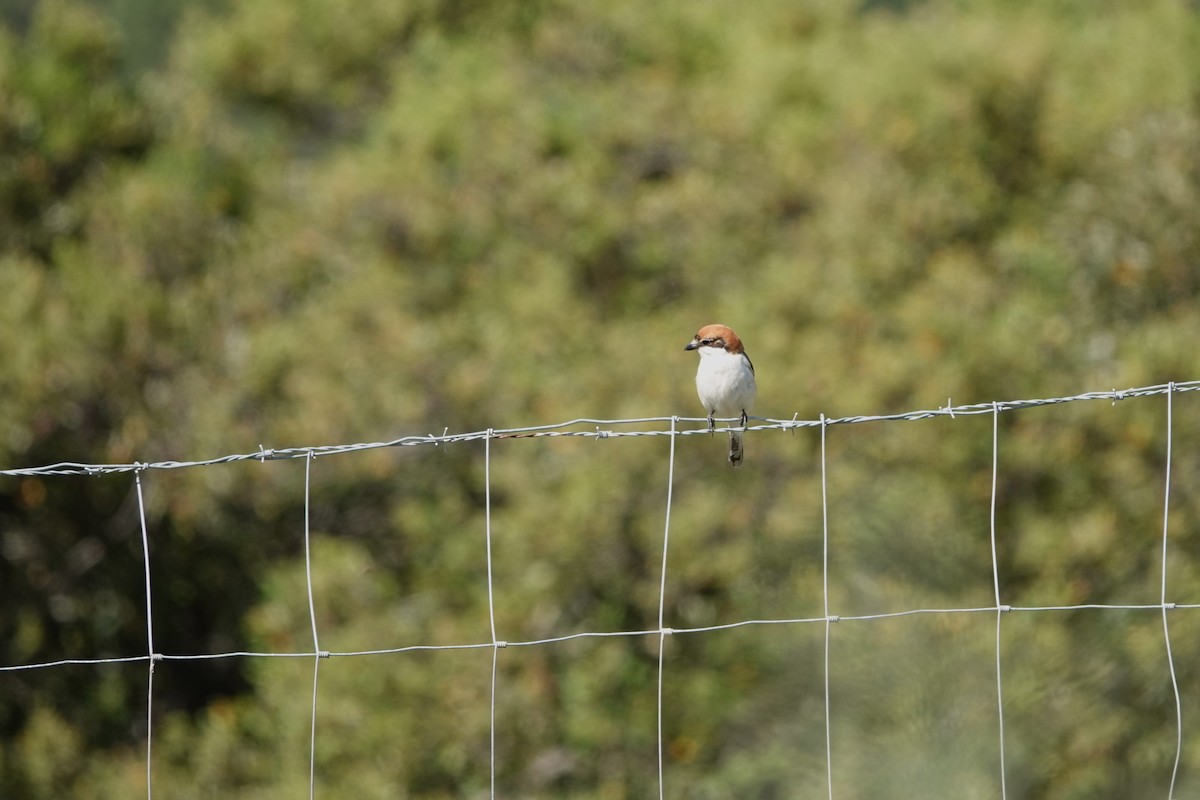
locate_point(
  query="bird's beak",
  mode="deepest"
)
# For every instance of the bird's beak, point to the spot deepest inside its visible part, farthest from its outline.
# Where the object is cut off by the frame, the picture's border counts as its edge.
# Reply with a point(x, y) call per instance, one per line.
point(692, 345)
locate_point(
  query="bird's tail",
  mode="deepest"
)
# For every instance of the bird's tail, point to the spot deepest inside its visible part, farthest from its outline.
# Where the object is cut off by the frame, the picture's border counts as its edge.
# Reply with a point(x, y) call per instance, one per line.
point(735, 448)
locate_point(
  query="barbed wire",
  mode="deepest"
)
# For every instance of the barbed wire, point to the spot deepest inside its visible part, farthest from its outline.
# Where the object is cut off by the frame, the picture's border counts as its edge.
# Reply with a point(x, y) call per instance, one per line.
point(598, 431)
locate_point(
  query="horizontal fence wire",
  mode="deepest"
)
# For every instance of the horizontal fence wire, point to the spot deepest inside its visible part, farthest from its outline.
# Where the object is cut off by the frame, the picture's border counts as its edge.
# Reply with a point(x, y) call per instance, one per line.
point(667, 631)
point(600, 429)
point(616, 428)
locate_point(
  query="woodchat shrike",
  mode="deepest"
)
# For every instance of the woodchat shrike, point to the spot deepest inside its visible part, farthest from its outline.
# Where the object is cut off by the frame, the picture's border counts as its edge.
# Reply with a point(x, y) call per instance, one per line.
point(724, 380)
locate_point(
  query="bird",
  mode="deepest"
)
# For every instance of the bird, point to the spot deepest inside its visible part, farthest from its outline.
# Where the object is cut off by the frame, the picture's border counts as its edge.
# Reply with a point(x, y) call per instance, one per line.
point(724, 380)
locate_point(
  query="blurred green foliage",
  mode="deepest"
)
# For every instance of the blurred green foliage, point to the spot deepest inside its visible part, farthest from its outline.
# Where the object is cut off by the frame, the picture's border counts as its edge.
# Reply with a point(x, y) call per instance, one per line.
point(296, 223)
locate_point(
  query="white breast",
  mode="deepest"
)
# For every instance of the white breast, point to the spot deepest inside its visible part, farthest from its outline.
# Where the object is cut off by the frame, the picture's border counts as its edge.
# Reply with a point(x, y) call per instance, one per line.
point(725, 382)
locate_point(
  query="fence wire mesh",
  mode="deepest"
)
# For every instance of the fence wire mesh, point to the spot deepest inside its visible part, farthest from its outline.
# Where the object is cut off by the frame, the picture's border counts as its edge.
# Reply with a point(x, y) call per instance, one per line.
point(673, 427)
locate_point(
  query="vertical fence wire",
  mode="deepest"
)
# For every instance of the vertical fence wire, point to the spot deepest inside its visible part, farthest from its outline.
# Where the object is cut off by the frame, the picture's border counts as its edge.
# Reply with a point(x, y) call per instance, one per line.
point(1163, 599)
point(996, 587)
point(828, 619)
point(137, 480)
point(496, 644)
point(312, 618)
point(662, 604)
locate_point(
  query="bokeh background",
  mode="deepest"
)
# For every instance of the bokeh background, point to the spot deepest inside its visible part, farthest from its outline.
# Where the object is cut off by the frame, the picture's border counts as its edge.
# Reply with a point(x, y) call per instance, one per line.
point(303, 222)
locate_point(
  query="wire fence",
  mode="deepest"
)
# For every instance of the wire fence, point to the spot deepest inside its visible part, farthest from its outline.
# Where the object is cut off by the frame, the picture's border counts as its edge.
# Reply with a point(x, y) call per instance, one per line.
point(620, 428)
